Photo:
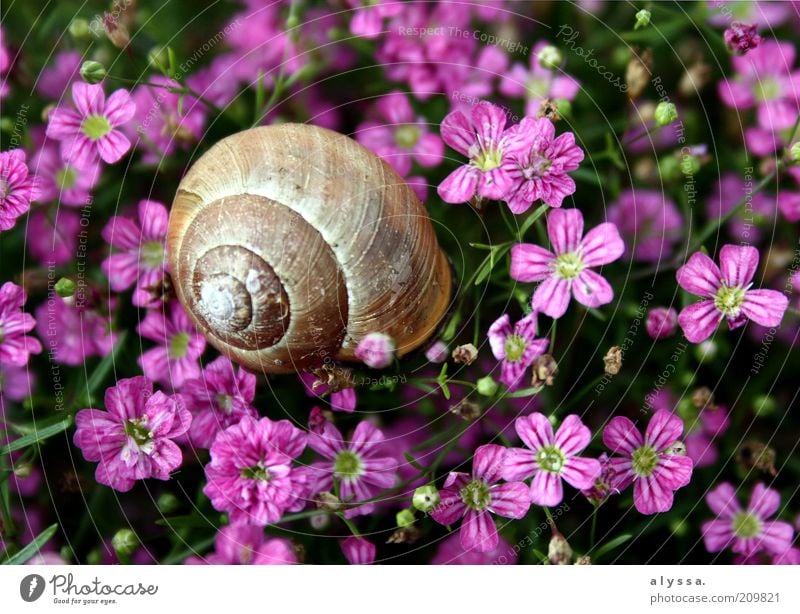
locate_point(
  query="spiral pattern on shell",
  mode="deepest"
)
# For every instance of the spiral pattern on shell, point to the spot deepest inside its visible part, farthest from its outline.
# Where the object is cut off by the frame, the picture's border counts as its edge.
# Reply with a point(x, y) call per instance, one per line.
point(288, 244)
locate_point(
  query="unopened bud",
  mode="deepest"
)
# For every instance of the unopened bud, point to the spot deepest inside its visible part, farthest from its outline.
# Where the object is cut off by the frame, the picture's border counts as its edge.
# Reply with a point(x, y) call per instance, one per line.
point(79, 29)
point(426, 498)
point(550, 57)
point(757, 455)
point(405, 535)
point(642, 19)
point(706, 351)
point(764, 405)
point(405, 518)
point(559, 551)
point(329, 502)
point(637, 74)
point(23, 470)
point(466, 410)
point(167, 503)
point(92, 72)
point(486, 386)
point(694, 79)
point(612, 361)
point(116, 31)
point(741, 37)
point(437, 353)
point(465, 354)
point(545, 368)
point(794, 152)
point(665, 113)
point(125, 542)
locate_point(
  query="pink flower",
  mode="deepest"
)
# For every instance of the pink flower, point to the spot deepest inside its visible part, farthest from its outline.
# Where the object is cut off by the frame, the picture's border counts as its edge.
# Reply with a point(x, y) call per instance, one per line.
point(16, 383)
point(343, 400)
point(648, 462)
point(517, 348)
point(359, 465)
point(141, 258)
point(746, 531)
point(745, 225)
point(437, 353)
point(177, 355)
point(59, 75)
point(450, 552)
point(477, 497)
point(399, 137)
point(550, 458)
point(61, 181)
point(250, 475)
point(602, 488)
point(649, 222)
point(15, 346)
point(481, 138)
point(164, 120)
point(538, 82)
point(567, 271)
point(246, 544)
point(662, 322)
point(764, 13)
point(220, 398)
point(727, 293)
point(741, 37)
point(17, 187)
point(53, 235)
point(73, 330)
point(376, 350)
point(93, 129)
point(539, 164)
point(368, 16)
point(358, 551)
point(132, 439)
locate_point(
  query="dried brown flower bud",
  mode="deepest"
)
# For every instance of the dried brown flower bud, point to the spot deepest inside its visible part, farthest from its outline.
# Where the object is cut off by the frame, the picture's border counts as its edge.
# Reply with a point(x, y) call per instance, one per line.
point(545, 368)
point(334, 376)
point(466, 410)
point(406, 535)
point(559, 551)
point(465, 354)
point(613, 360)
point(583, 560)
point(703, 397)
point(637, 74)
point(548, 109)
point(694, 79)
point(757, 455)
point(329, 502)
point(116, 31)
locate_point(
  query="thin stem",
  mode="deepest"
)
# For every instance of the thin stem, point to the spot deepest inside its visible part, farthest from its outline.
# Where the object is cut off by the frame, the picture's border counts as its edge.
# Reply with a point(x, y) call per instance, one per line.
point(593, 530)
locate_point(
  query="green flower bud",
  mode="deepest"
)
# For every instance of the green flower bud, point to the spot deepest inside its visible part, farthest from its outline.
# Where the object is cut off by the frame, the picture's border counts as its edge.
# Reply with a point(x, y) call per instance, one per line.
point(550, 57)
point(666, 113)
point(487, 386)
point(564, 106)
point(669, 168)
point(79, 29)
point(690, 165)
point(426, 498)
point(94, 557)
point(764, 405)
point(794, 152)
point(167, 503)
point(405, 518)
point(642, 19)
point(705, 351)
point(124, 542)
point(65, 287)
point(93, 72)
point(158, 58)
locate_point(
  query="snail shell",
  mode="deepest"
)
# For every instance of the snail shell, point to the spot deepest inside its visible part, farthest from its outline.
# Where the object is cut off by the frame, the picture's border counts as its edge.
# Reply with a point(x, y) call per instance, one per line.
point(288, 244)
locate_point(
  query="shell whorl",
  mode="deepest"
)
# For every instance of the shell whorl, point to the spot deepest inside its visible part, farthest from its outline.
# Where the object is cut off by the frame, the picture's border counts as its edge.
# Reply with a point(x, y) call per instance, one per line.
point(288, 244)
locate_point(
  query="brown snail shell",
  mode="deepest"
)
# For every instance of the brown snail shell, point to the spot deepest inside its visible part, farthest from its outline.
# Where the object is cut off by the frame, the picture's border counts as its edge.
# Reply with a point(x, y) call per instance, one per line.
point(289, 243)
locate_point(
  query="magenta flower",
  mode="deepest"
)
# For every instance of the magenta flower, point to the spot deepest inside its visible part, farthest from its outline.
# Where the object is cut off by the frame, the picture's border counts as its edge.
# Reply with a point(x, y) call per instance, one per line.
point(358, 551)
point(517, 348)
point(15, 346)
point(132, 439)
point(53, 235)
point(399, 137)
point(746, 531)
point(359, 465)
point(250, 475)
point(246, 544)
point(648, 462)
point(73, 330)
point(62, 181)
point(741, 37)
point(481, 138)
point(539, 164)
point(450, 552)
point(727, 293)
point(550, 458)
point(368, 16)
point(662, 322)
point(177, 355)
point(477, 497)
point(567, 270)
point(220, 398)
point(649, 222)
point(538, 82)
point(376, 350)
point(93, 129)
point(17, 187)
point(16, 383)
point(746, 224)
point(141, 258)
point(59, 75)
point(343, 400)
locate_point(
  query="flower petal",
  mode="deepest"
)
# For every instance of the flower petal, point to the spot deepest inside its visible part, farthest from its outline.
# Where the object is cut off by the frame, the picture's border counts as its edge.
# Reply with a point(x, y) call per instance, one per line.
point(592, 289)
point(546, 488)
point(663, 430)
point(601, 245)
point(622, 436)
point(700, 276)
point(510, 500)
point(565, 229)
point(765, 307)
point(699, 321)
point(572, 436)
point(552, 297)
point(530, 262)
point(478, 532)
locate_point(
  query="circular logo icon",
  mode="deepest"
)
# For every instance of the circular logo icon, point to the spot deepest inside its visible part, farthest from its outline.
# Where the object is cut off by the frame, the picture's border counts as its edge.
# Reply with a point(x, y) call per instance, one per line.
point(31, 587)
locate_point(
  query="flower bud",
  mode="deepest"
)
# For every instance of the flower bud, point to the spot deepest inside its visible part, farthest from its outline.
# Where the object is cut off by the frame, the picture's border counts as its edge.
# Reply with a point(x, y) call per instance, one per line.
point(662, 322)
point(125, 542)
point(92, 72)
point(376, 350)
point(694, 79)
point(320, 522)
point(706, 351)
point(584, 559)
point(487, 386)
point(116, 31)
point(23, 470)
point(559, 551)
point(426, 498)
point(702, 397)
point(545, 368)
point(794, 152)
point(613, 360)
point(79, 29)
point(65, 287)
point(637, 74)
point(167, 503)
point(405, 535)
point(642, 19)
point(756, 455)
point(437, 352)
point(741, 37)
point(666, 113)
point(405, 518)
point(550, 57)
point(466, 410)
point(465, 354)
point(764, 405)
point(329, 502)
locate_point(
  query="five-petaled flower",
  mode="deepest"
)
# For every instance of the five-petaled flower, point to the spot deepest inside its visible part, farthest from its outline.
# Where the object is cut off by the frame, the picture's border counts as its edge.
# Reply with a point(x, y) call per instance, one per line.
point(727, 293)
point(516, 347)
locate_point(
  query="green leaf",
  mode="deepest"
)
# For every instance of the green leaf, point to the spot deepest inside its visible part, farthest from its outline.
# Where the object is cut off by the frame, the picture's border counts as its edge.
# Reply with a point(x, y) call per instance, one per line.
point(495, 255)
point(610, 545)
point(36, 435)
point(525, 392)
point(413, 462)
point(452, 327)
point(32, 548)
point(531, 220)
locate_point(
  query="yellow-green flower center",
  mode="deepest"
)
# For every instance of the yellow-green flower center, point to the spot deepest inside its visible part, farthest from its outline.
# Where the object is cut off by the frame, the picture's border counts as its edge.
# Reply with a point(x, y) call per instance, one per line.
point(153, 254)
point(488, 159)
point(476, 495)
point(66, 177)
point(178, 345)
point(137, 429)
point(729, 300)
point(259, 472)
point(224, 402)
point(407, 136)
point(550, 459)
point(515, 347)
point(569, 265)
point(95, 127)
point(746, 525)
point(644, 460)
point(347, 465)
